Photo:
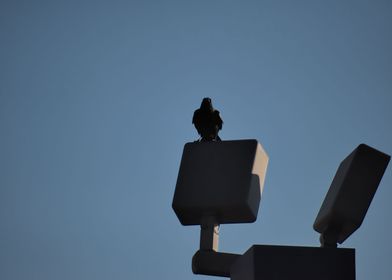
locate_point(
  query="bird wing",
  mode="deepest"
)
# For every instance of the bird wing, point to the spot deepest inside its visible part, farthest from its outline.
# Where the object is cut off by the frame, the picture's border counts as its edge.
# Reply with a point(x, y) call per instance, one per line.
point(217, 119)
point(196, 120)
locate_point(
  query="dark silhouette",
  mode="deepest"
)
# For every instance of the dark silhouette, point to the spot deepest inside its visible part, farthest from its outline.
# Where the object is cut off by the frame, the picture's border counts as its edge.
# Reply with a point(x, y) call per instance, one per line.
point(207, 121)
point(350, 194)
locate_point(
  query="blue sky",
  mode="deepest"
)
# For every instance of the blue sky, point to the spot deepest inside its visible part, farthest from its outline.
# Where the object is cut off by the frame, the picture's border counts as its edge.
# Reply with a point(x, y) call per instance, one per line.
point(96, 101)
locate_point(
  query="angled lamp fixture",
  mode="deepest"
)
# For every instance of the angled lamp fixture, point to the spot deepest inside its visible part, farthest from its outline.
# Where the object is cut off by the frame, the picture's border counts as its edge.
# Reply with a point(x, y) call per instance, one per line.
point(349, 197)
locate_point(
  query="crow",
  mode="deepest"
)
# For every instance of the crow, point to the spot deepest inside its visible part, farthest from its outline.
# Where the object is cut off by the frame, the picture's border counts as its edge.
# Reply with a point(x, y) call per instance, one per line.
point(207, 121)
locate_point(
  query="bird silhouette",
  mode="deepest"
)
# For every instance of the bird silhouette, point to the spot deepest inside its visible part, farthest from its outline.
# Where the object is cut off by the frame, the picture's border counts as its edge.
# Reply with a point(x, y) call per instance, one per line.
point(207, 121)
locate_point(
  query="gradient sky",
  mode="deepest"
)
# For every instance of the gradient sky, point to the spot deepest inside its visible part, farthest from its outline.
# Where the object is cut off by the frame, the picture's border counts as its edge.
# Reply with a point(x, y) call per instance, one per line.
point(96, 101)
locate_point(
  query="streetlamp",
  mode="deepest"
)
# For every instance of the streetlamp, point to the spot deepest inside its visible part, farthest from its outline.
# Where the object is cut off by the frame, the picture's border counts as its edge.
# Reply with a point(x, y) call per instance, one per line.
point(221, 182)
point(218, 183)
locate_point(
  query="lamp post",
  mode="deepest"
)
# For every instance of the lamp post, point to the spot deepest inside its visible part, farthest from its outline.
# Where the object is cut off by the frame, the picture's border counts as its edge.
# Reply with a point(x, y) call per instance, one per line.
point(221, 182)
point(218, 183)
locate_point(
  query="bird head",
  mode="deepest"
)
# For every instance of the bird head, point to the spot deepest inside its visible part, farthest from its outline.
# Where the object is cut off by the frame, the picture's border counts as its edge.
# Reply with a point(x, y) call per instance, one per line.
point(206, 104)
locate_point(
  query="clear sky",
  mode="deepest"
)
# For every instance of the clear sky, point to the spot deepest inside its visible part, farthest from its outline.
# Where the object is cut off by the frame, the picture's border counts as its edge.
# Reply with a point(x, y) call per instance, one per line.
point(96, 101)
